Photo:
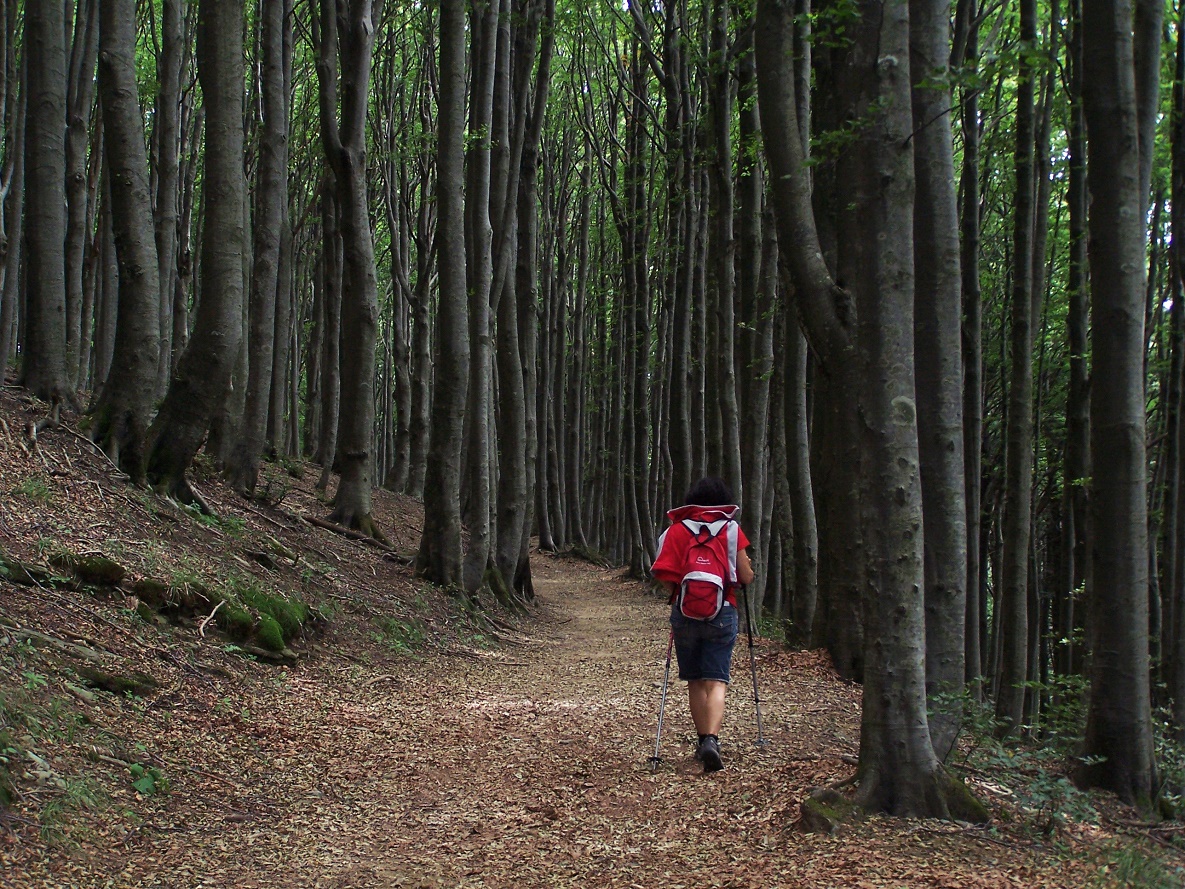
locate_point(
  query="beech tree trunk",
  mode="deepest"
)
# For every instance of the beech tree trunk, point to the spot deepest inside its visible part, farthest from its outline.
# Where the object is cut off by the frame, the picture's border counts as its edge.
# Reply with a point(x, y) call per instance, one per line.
point(271, 196)
point(965, 54)
point(898, 770)
point(938, 366)
point(345, 148)
point(166, 142)
point(14, 218)
point(1017, 522)
point(202, 376)
point(330, 318)
point(125, 406)
point(79, 104)
point(1076, 469)
point(1173, 644)
point(439, 558)
point(1118, 724)
point(43, 349)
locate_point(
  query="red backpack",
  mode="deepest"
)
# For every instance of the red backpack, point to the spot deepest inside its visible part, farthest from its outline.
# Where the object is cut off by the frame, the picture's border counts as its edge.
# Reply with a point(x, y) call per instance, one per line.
point(701, 552)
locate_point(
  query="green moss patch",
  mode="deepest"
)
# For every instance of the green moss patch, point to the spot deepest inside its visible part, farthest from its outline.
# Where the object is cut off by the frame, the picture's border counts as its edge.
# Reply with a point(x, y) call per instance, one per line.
point(8, 751)
point(269, 633)
point(91, 569)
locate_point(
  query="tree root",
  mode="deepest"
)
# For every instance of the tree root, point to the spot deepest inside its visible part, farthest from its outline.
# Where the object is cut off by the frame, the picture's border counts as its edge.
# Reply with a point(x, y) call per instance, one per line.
point(944, 797)
point(52, 421)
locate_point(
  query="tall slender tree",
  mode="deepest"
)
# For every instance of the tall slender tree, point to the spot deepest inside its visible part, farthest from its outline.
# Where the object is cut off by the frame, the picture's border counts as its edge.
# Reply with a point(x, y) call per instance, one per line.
point(203, 374)
point(440, 557)
point(938, 362)
point(125, 405)
point(1017, 526)
point(43, 370)
point(345, 147)
point(898, 770)
point(1119, 718)
point(270, 199)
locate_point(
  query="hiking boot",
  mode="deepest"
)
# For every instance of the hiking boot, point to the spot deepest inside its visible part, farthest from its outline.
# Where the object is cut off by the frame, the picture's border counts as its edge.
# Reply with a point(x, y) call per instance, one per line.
point(708, 753)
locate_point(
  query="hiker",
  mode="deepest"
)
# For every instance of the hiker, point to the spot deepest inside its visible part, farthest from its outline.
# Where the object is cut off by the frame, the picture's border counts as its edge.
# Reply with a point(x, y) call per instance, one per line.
point(702, 559)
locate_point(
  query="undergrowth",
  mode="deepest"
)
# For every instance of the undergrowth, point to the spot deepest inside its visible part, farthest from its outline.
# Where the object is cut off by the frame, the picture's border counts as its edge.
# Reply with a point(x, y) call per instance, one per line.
point(249, 609)
point(1032, 770)
point(1126, 864)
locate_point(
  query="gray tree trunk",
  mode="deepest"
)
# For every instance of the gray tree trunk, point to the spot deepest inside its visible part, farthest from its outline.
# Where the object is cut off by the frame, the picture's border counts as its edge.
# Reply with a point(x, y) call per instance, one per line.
point(898, 770)
point(125, 406)
point(166, 141)
point(479, 237)
point(1018, 461)
point(329, 364)
point(271, 197)
point(80, 94)
point(722, 273)
point(966, 55)
point(345, 148)
point(1076, 507)
point(43, 349)
point(14, 217)
point(938, 366)
point(1173, 638)
point(1118, 724)
point(202, 376)
point(440, 558)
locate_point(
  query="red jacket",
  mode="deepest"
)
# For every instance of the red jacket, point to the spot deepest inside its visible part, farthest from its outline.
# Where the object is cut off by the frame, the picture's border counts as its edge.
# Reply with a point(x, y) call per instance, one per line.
point(671, 562)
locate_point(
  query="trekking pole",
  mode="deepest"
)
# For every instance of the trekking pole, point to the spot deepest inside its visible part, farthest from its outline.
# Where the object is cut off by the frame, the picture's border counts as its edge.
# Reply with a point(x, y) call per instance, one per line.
point(761, 741)
point(656, 759)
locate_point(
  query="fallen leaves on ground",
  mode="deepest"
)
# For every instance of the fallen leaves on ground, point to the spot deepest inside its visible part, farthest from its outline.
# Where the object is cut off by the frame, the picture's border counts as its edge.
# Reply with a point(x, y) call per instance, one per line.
point(460, 764)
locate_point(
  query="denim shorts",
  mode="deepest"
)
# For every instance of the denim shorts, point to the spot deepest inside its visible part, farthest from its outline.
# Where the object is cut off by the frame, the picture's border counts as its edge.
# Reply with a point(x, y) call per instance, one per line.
point(704, 647)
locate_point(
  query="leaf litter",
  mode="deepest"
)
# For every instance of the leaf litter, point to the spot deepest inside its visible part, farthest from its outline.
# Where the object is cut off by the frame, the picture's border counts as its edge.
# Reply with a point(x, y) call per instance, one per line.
point(504, 754)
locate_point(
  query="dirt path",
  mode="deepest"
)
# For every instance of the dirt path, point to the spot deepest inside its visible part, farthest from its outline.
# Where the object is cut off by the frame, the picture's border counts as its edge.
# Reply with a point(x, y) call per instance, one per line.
point(527, 766)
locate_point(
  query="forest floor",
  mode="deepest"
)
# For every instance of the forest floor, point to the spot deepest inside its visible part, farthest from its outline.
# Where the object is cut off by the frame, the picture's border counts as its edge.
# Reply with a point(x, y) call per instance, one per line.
point(411, 742)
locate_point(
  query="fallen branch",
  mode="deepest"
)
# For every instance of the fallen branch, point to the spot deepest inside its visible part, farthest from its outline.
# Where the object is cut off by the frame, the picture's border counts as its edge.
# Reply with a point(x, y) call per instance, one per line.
point(386, 677)
point(62, 645)
point(209, 617)
point(350, 533)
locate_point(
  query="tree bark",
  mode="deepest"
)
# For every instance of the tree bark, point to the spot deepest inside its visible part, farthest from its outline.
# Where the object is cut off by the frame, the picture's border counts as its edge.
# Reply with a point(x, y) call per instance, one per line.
point(166, 141)
point(79, 105)
point(1173, 643)
point(1076, 467)
point(722, 272)
point(1014, 602)
point(966, 53)
point(439, 558)
point(938, 366)
point(14, 218)
point(345, 147)
point(898, 771)
point(271, 196)
point(1118, 725)
point(125, 406)
point(479, 267)
point(202, 376)
point(43, 349)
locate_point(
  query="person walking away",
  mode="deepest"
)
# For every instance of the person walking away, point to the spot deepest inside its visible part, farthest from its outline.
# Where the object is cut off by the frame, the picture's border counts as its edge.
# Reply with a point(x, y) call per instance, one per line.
point(702, 560)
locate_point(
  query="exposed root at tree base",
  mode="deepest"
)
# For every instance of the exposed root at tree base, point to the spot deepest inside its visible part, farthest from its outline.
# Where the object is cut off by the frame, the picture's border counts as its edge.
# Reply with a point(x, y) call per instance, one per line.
point(183, 492)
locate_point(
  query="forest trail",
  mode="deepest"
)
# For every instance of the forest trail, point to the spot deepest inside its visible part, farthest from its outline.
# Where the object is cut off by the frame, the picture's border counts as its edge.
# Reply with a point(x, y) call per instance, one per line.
point(527, 766)
point(520, 765)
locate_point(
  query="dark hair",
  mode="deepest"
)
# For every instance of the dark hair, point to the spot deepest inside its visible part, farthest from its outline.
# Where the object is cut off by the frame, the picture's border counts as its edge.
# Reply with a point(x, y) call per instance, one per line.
point(709, 491)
